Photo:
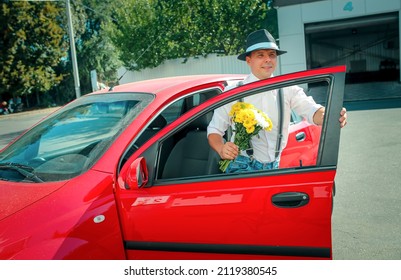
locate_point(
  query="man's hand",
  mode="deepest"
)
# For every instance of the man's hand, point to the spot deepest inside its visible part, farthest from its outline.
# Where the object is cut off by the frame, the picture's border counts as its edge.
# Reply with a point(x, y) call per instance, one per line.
point(318, 117)
point(226, 150)
point(343, 117)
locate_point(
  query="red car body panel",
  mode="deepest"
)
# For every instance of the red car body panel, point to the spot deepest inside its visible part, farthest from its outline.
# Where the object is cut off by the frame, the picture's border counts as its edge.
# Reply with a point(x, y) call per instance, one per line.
point(305, 154)
point(62, 224)
point(236, 214)
point(94, 215)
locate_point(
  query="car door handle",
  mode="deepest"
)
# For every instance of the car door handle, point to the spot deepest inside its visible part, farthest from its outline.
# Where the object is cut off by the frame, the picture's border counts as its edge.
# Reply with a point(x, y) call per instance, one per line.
point(300, 136)
point(290, 199)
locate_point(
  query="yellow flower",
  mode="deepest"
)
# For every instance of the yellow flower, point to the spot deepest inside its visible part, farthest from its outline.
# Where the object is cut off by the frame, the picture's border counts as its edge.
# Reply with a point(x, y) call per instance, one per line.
point(239, 117)
point(250, 129)
point(250, 114)
point(235, 109)
point(248, 121)
point(247, 105)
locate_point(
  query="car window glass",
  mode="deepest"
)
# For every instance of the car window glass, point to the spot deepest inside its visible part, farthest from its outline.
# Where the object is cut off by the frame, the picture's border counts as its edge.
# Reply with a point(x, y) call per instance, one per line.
point(174, 111)
point(181, 106)
point(169, 114)
point(186, 153)
point(71, 141)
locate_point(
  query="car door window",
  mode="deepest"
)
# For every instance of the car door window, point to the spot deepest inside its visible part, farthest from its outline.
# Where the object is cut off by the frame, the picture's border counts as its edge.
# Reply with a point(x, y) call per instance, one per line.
point(190, 101)
point(168, 115)
point(189, 153)
point(304, 138)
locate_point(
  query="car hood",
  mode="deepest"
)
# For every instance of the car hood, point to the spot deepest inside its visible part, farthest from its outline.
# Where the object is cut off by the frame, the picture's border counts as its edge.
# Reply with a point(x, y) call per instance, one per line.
point(16, 196)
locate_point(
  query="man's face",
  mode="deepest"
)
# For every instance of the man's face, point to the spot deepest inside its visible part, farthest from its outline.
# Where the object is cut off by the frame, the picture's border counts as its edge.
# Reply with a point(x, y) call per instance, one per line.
point(262, 63)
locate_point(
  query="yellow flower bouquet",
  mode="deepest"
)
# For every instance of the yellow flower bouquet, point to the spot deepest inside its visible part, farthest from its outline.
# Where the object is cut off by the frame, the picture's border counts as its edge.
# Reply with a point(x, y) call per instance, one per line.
point(248, 122)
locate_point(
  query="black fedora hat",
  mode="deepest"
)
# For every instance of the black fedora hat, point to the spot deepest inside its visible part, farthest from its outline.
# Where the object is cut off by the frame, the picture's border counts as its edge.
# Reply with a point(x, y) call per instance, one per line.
point(260, 40)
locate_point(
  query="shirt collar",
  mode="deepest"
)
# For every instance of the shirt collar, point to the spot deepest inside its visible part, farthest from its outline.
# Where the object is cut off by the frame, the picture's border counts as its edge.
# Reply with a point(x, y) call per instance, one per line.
point(252, 78)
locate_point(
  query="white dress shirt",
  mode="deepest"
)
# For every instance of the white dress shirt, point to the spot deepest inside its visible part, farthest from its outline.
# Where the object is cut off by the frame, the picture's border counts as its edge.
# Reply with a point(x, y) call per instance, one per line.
point(264, 146)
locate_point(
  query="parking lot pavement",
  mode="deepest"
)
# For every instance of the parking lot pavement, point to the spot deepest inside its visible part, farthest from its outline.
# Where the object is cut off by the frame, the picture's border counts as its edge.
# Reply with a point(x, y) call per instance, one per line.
point(365, 221)
point(44, 111)
point(13, 125)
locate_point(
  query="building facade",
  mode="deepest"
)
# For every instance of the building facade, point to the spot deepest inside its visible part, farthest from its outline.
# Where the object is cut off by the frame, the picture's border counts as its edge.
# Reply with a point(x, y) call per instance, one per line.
point(362, 34)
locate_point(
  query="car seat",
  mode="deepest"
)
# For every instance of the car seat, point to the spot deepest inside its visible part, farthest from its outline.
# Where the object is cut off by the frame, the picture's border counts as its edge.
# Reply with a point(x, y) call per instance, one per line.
point(192, 155)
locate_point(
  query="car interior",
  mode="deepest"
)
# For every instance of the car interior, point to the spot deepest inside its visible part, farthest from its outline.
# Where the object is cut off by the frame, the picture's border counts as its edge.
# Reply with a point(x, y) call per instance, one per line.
point(186, 152)
point(192, 155)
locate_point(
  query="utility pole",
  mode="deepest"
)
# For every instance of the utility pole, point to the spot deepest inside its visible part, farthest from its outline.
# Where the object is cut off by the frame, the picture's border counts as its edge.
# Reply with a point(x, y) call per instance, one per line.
point(72, 47)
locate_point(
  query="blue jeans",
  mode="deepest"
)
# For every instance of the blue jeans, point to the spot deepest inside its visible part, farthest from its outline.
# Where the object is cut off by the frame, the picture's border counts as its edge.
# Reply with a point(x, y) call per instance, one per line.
point(243, 163)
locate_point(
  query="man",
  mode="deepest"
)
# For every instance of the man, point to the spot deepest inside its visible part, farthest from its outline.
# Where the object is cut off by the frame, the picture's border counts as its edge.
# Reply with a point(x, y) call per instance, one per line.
point(261, 56)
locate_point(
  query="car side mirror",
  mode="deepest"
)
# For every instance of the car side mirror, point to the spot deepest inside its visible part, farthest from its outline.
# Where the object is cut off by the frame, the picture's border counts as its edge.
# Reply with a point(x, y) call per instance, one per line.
point(137, 175)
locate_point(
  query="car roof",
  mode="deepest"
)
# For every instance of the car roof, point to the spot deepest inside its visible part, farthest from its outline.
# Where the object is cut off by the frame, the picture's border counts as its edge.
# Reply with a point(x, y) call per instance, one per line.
point(173, 84)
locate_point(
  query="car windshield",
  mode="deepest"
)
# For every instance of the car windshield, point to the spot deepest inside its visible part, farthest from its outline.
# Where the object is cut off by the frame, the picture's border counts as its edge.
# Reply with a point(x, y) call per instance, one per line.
point(69, 142)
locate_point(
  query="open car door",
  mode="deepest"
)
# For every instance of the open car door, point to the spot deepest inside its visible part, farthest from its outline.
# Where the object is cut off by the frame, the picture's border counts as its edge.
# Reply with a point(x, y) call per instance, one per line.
point(175, 204)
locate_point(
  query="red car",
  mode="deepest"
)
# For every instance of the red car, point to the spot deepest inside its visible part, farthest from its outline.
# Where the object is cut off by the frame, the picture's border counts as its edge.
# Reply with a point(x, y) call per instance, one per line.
point(127, 173)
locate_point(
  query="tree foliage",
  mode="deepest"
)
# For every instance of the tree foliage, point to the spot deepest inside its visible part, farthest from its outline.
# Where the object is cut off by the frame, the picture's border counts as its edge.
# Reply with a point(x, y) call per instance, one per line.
point(95, 50)
point(148, 32)
point(32, 46)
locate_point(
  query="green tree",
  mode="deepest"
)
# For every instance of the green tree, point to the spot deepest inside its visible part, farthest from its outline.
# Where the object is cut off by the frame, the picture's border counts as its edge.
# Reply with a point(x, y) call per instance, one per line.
point(95, 50)
point(135, 33)
point(34, 50)
point(148, 32)
point(32, 45)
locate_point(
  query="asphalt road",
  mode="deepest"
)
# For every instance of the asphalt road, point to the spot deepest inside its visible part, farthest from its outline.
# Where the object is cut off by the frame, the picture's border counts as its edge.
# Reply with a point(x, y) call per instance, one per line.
point(366, 221)
point(12, 125)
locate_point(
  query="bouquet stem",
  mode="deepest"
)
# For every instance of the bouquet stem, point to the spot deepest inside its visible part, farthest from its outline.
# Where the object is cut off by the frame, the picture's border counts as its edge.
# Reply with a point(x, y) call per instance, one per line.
point(223, 164)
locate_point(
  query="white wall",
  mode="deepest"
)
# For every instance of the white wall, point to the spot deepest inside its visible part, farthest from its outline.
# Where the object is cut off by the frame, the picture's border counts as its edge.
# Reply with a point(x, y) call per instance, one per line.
point(291, 21)
point(212, 64)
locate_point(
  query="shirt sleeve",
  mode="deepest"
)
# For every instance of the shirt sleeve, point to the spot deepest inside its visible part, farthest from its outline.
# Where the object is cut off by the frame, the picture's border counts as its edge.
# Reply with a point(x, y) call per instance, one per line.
point(220, 120)
point(303, 105)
